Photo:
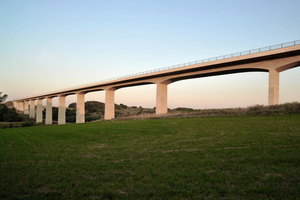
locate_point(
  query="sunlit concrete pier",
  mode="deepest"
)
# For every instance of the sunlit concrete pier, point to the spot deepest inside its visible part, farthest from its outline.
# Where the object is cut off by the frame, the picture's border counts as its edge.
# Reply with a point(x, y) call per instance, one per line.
point(273, 60)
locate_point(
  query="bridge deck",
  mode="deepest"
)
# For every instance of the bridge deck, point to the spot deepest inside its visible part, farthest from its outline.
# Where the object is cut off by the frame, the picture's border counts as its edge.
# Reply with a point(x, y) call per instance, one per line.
point(246, 61)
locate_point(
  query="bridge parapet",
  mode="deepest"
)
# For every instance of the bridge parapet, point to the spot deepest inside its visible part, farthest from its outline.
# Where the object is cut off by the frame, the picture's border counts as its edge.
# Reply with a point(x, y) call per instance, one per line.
point(242, 53)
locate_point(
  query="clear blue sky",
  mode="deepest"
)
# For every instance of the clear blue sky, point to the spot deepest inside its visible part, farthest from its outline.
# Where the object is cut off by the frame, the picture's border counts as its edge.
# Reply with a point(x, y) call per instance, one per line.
point(51, 45)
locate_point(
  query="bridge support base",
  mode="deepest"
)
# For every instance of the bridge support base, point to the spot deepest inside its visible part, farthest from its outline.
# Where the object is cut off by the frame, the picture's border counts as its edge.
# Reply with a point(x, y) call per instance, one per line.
point(39, 114)
point(32, 109)
point(273, 98)
point(80, 109)
point(62, 110)
point(48, 110)
point(109, 104)
point(161, 98)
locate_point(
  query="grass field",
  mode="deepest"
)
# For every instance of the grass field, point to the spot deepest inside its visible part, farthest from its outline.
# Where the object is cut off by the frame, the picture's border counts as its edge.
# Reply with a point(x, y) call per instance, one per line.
point(195, 158)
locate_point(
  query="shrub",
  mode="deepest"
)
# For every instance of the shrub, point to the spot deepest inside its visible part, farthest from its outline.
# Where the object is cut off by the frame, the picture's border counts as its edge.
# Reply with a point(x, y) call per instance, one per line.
point(71, 119)
point(92, 118)
point(9, 114)
point(26, 124)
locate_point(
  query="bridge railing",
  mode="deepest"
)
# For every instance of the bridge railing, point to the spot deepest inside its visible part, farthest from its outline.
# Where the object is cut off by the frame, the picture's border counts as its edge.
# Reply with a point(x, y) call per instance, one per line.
point(242, 53)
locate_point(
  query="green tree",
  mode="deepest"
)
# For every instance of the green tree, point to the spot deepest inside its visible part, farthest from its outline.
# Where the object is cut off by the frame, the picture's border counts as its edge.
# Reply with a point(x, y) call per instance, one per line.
point(73, 105)
point(2, 98)
point(9, 114)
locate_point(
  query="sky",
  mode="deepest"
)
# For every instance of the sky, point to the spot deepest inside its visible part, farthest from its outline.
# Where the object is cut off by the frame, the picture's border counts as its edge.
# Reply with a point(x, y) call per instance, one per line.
point(51, 45)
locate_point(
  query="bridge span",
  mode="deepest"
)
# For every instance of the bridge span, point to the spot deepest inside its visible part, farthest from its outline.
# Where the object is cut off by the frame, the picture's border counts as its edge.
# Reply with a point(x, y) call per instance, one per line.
point(273, 60)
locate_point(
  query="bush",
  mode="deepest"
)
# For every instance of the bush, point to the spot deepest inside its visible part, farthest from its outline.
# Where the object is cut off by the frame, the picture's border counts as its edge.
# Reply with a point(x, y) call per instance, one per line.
point(94, 106)
point(92, 118)
point(71, 119)
point(73, 105)
point(9, 114)
point(123, 106)
point(26, 124)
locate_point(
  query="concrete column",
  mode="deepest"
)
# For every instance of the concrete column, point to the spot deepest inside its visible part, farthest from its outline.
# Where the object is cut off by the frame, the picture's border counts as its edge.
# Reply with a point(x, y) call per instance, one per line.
point(48, 110)
point(21, 105)
point(26, 107)
point(32, 108)
point(62, 110)
point(39, 112)
point(15, 104)
point(109, 112)
point(80, 109)
point(161, 98)
point(273, 98)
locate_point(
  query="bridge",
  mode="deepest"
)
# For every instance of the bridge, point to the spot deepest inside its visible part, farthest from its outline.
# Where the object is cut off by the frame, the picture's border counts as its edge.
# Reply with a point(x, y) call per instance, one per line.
point(272, 59)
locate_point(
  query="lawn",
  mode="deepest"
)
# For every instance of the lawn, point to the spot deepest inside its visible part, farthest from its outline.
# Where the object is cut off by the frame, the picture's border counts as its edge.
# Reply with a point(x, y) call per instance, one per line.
point(195, 158)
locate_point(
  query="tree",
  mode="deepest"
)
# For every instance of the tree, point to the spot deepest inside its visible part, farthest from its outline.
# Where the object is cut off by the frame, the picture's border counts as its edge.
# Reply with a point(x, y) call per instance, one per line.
point(2, 98)
point(73, 105)
point(9, 114)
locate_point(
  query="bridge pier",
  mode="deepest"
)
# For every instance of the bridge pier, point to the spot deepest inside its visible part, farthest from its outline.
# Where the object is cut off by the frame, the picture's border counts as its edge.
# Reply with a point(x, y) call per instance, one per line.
point(21, 105)
point(26, 107)
point(17, 105)
point(161, 98)
point(39, 112)
point(48, 110)
point(80, 109)
point(273, 97)
point(32, 108)
point(62, 110)
point(109, 111)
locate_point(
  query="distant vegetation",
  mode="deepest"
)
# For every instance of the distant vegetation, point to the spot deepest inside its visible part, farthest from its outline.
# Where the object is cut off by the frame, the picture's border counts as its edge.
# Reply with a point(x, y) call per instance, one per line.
point(8, 114)
point(255, 110)
point(94, 110)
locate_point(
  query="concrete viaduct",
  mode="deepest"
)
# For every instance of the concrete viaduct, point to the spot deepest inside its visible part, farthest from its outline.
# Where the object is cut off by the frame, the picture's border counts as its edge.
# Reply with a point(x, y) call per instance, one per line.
point(273, 59)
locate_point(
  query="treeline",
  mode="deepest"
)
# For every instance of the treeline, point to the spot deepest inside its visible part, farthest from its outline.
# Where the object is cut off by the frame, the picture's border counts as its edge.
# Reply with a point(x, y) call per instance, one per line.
point(255, 110)
point(94, 110)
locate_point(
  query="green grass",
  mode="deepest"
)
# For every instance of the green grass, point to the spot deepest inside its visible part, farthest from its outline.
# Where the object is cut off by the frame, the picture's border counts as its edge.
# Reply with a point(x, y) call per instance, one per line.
point(195, 158)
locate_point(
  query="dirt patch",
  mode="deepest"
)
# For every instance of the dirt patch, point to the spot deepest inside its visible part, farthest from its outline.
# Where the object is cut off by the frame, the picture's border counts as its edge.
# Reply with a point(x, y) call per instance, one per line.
point(117, 161)
point(268, 175)
point(91, 156)
point(98, 146)
point(206, 138)
point(186, 150)
point(45, 189)
point(246, 147)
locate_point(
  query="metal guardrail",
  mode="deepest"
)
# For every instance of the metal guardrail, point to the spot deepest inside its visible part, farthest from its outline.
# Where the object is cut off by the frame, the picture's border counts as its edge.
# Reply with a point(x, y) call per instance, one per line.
point(242, 53)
